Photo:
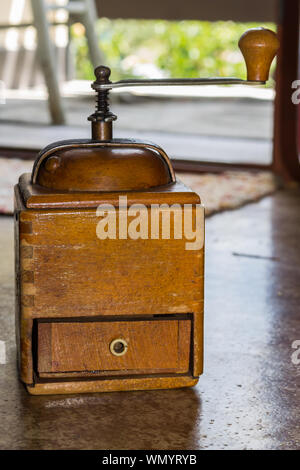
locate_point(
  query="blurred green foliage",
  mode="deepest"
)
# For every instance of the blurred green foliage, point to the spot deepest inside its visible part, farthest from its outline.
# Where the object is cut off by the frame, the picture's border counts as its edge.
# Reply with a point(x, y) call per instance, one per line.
point(175, 48)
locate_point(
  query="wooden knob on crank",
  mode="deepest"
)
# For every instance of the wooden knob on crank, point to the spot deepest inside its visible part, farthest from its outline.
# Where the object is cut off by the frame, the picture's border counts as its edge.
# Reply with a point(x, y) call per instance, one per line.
point(259, 47)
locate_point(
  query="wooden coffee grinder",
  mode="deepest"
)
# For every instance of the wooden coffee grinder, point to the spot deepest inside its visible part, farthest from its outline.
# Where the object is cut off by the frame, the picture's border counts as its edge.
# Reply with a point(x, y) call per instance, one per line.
point(107, 296)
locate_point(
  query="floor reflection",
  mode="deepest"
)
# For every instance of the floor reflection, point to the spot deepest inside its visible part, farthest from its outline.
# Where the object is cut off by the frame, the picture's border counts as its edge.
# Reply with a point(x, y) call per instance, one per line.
point(165, 419)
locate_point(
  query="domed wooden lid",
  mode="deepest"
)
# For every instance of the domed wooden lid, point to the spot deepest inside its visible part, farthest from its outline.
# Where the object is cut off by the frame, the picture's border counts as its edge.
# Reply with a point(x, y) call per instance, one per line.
point(117, 165)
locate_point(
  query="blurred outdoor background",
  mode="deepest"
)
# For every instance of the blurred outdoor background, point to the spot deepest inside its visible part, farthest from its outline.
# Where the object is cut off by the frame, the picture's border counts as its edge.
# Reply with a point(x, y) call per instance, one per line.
point(165, 49)
point(48, 50)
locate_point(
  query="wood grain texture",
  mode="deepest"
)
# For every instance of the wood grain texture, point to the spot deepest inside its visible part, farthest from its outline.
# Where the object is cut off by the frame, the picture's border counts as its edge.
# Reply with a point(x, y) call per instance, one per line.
point(153, 346)
point(76, 293)
point(259, 47)
point(86, 165)
point(37, 197)
point(112, 385)
point(103, 169)
point(76, 274)
point(24, 293)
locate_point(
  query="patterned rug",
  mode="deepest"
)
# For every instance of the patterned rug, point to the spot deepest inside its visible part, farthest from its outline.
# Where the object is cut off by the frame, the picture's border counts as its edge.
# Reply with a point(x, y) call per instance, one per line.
point(231, 189)
point(218, 191)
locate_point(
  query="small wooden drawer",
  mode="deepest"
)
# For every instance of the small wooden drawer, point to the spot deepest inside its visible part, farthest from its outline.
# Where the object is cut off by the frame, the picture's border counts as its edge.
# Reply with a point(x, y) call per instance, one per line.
point(73, 348)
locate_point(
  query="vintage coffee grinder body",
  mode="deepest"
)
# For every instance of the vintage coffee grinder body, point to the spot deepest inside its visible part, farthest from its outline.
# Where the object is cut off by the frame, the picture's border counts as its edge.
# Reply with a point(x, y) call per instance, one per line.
point(117, 312)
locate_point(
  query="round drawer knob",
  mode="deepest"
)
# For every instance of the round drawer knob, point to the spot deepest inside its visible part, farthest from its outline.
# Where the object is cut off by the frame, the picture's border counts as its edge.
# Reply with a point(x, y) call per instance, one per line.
point(118, 347)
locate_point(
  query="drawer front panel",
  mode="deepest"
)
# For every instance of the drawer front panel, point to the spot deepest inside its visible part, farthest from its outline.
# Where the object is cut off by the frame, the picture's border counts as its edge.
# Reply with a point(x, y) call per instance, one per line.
point(154, 346)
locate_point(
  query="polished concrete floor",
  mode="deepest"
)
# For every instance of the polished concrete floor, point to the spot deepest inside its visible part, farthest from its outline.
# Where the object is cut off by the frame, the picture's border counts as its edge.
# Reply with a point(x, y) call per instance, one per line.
point(248, 397)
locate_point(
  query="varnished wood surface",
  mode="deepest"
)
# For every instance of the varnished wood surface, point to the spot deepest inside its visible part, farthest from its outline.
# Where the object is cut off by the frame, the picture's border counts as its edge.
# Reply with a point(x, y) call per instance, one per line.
point(86, 165)
point(38, 197)
point(156, 346)
point(115, 168)
point(127, 277)
point(115, 385)
point(286, 116)
point(66, 271)
point(248, 396)
point(259, 47)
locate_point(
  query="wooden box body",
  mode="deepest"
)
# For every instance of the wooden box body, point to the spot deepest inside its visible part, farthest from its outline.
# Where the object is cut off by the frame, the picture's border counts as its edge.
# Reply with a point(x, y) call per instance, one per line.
point(76, 293)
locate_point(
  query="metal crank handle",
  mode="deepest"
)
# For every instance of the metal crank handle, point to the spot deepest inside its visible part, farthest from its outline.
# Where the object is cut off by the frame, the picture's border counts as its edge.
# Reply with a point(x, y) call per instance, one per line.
point(258, 46)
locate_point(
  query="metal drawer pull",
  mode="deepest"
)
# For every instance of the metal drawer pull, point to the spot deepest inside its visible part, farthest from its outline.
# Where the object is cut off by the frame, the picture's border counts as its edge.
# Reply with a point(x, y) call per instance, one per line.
point(118, 347)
